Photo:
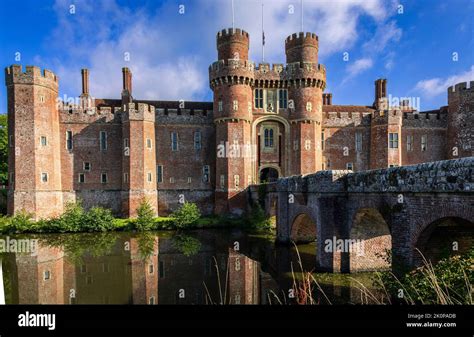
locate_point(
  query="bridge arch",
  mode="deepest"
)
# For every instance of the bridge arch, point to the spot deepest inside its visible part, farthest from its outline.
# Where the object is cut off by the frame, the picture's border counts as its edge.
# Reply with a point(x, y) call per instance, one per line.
point(370, 241)
point(303, 229)
point(443, 237)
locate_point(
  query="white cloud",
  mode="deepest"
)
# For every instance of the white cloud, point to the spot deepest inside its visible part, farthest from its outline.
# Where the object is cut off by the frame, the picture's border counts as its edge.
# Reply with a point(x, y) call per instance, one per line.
point(164, 45)
point(435, 86)
point(358, 67)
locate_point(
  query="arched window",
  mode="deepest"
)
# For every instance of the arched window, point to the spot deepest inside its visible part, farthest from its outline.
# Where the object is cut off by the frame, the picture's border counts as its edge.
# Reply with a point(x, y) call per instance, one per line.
point(268, 137)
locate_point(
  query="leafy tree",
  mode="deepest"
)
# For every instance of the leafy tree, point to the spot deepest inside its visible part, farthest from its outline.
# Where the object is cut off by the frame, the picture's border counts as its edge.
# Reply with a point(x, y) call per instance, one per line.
point(186, 244)
point(186, 215)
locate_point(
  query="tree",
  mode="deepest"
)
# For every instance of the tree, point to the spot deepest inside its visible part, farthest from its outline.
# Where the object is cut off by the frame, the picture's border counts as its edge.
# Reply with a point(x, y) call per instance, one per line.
point(186, 215)
point(145, 216)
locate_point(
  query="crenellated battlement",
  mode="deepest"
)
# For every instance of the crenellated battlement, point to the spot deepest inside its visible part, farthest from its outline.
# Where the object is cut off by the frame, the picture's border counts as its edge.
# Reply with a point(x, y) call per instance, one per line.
point(32, 75)
point(343, 119)
point(264, 74)
point(138, 112)
point(228, 33)
point(460, 89)
point(298, 39)
point(168, 116)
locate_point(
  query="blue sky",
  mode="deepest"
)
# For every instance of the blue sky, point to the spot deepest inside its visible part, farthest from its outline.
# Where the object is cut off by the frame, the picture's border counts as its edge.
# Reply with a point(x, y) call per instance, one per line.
point(170, 51)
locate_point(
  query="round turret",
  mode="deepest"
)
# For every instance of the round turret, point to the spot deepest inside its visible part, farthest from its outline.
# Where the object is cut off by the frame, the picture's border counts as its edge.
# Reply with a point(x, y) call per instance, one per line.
point(232, 44)
point(302, 47)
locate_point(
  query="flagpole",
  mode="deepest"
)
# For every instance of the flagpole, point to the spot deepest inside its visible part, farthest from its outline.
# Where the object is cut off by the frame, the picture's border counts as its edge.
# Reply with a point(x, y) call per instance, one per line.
point(263, 39)
point(302, 29)
point(233, 18)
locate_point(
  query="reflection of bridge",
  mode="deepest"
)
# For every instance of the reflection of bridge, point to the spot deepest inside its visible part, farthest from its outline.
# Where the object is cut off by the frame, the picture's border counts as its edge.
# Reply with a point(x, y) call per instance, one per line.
point(397, 208)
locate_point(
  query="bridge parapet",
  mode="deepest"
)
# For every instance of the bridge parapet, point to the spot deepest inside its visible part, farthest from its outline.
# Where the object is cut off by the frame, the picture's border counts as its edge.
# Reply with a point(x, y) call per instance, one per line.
point(441, 176)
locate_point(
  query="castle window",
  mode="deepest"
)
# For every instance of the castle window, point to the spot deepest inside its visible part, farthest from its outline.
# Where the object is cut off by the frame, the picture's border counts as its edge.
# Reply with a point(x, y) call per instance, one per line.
point(159, 173)
point(81, 178)
point(349, 166)
point(148, 143)
point(409, 143)
point(44, 177)
point(105, 267)
point(222, 181)
point(237, 299)
point(44, 141)
point(205, 174)
point(86, 166)
point(103, 140)
point(41, 98)
point(83, 269)
point(236, 180)
point(103, 178)
point(149, 177)
point(89, 279)
point(268, 138)
point(283, 99)
point(10, 141)
point(270, 101)
point(393, 140)
point(322, 140)
point(197, 140)
point(220, 106)
point(249, 179)
point(424, 142)
point(46, 275)
point(258, 98)
point(151, 269)
point(151, 301)
point(69, 140)
point(125, 177)
point(309, 106)
point(190, 180)
point(235, 105)
point(161, 269)
point(174, 141)
point(172, 180)
point(358, 141)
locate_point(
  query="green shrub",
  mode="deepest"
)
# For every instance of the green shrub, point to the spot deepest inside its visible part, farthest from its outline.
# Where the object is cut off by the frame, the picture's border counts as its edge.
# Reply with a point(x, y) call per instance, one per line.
point(98, 219)
point(20, 223)
point(71, 220)
point(186, 244)
point(186, 215)
point(257, 219)
point(145, 220)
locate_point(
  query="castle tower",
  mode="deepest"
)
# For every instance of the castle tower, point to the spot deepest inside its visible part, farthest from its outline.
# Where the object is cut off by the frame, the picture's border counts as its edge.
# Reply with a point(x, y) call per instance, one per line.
point(385, 131)
point(306, 82)
point(34, 162)
point(460, 121)
point(231, 78)
point(139, 157)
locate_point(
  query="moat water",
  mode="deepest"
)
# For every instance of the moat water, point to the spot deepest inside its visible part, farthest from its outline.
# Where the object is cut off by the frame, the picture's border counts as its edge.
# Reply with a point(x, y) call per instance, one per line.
point(197, 267)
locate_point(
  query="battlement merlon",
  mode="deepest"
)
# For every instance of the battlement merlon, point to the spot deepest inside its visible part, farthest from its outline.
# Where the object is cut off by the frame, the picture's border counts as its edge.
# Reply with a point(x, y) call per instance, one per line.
point(138, 112)
point(32, 75)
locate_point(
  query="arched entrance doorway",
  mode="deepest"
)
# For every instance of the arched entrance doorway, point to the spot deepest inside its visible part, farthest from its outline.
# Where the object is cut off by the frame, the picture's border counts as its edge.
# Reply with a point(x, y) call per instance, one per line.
point(268, 175)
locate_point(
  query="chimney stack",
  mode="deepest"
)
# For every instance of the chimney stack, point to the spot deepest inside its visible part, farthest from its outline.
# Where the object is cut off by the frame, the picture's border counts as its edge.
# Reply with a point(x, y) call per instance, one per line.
point(380, 90)
point(127, 85)
point(85, 82)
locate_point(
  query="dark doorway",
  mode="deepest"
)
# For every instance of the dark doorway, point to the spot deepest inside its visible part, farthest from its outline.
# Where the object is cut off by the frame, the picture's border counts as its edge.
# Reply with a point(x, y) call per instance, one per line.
point(268, 175)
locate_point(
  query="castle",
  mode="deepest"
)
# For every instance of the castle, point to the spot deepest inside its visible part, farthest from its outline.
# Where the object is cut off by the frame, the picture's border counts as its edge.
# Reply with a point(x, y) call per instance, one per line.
point(264, 122)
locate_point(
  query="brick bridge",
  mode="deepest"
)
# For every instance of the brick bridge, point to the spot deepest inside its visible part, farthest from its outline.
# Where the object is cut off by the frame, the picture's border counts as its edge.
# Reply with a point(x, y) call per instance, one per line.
point(365, 214)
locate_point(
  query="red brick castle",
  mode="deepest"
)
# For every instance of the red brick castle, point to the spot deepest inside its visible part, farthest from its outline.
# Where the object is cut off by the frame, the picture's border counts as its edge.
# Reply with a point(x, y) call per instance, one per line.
point(265, 122)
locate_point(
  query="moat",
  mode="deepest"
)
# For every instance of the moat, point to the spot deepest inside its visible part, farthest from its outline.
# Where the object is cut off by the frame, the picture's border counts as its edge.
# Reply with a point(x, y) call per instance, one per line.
point(196, 267)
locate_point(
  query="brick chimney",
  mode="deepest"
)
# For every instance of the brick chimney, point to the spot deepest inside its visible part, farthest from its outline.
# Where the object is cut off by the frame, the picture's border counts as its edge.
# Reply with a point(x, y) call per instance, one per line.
point(127, 85)
point(85, 82)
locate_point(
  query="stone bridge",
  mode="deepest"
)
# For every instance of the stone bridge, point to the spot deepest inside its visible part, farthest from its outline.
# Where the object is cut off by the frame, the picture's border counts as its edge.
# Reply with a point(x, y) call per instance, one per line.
point(357, 219)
